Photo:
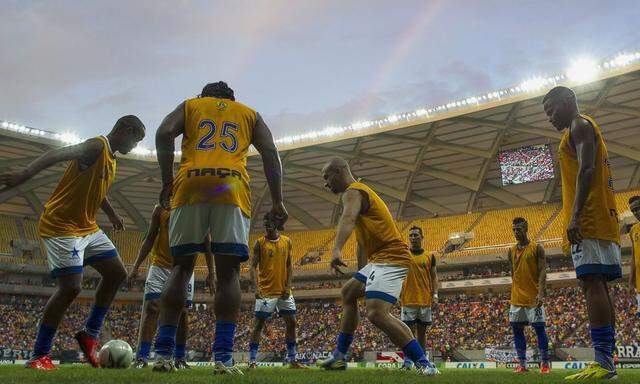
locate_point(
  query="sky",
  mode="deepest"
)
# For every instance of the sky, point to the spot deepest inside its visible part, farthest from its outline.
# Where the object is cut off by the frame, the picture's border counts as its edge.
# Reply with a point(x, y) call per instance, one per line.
point(78, 66)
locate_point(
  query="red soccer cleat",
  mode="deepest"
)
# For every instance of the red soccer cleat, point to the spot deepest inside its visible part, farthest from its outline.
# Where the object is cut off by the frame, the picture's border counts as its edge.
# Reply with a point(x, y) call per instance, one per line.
point(545, 368)
point(89, 347)
point(42, 363)
point(520, 369)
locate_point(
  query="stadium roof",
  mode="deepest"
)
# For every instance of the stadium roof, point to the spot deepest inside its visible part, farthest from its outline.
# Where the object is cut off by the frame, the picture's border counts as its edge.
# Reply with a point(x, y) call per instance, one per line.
point(429, 165)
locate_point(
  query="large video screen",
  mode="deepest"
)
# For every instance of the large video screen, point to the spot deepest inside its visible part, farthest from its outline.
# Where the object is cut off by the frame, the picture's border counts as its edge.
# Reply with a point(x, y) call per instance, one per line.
point(526, 164)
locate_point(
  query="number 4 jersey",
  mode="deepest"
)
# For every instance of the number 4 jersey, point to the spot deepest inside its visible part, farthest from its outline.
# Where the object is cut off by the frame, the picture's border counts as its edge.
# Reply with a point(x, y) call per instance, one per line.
point(213, 166)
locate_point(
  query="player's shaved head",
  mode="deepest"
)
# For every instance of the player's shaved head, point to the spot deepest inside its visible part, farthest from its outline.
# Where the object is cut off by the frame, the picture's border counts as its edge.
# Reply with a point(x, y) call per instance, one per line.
point(336, 163)
point(337, 174)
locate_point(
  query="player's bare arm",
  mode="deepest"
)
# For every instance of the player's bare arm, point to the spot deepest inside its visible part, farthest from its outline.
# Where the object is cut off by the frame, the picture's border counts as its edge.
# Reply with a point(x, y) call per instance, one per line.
point(253, 276)
point(263, 141)
point(360, 257)
point(147, 244)
point(171, 127)
point(632, 275)
point(510, 263)
point(542, 275)
point(434, 280)
point(352, 205)
point(86, 153)
point(211, 267)
point(287, 287)
point(116, 220)
point(583, 138)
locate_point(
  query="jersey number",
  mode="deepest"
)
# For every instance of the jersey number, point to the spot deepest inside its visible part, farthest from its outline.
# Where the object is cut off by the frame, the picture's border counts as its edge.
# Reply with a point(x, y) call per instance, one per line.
point(208, 142)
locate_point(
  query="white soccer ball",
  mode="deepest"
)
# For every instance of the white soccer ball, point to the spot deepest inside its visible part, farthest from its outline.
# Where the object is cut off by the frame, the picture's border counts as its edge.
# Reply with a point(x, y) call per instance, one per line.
point(115, 354)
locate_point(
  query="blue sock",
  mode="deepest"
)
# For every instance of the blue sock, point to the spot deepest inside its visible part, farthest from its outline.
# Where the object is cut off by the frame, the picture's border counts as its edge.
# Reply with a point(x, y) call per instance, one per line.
point(291, 351)
point(415, 353)
point(44, 340)
point(166, 340)
point(520, 343)
point(613, 343)
point(223, 342)
point(344, 342)
point(543, 341)
point(143, 350)
point(95, 320)
point(180, 352)
point(253, 351)
point(603, 340)
point(407, 361)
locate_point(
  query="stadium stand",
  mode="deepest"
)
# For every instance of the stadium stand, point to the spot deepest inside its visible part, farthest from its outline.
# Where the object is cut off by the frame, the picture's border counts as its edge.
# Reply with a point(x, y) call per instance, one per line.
point(8, 233)
point(436, 231)
point(460, 321)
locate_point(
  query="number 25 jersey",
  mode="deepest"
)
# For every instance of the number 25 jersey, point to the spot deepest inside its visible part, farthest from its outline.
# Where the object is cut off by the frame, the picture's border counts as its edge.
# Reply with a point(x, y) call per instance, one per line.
point(213, 165)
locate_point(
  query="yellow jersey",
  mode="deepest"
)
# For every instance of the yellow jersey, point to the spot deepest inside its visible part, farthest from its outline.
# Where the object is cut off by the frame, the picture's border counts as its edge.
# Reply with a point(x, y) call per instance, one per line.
point(71, 209)
point(599, 218)
point(272, 268)
point(634, 235)
point(213, 165)
point(376, 232)
point(161, 252)
point(417, 286)
point(524, 285)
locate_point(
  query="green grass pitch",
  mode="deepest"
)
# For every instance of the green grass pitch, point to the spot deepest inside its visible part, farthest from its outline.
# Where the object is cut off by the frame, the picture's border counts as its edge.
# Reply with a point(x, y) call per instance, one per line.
point(83, 374)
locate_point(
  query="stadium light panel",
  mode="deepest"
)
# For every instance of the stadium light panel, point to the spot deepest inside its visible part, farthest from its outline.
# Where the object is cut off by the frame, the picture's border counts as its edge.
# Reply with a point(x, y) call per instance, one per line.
point(583, 70)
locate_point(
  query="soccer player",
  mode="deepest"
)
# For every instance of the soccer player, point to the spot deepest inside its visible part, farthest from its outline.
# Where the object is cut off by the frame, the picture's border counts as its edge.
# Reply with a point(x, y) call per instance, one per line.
point(529, 279)
point(590, 219)
point(157, 239)
point(387, 259)
point(420, 290)
point(71, 236)
point(634, 235)
point(211, 195)
point(272, 287)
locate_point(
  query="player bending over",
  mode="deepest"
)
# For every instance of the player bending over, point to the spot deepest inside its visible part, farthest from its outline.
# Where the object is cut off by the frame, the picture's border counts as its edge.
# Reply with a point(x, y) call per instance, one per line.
point(529, 279)
point(419, 292)
point(71, 236)
point(272, 287)
point(590, 219)
point(380, 245)
point(211, 195)
point(157, 239)
point(634, 235)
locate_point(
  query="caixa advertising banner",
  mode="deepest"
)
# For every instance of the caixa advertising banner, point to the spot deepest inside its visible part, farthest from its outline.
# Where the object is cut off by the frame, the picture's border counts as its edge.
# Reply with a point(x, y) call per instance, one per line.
point(570, 364)
point(471, 365)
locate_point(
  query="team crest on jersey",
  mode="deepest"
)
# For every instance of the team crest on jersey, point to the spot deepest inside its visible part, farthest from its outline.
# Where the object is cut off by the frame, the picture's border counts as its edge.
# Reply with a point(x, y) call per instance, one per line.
point(221, 105)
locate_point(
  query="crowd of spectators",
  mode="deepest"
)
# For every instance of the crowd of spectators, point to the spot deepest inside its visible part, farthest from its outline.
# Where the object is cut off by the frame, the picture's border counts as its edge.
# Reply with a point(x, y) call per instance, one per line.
point(460, 321)
point(526, 164)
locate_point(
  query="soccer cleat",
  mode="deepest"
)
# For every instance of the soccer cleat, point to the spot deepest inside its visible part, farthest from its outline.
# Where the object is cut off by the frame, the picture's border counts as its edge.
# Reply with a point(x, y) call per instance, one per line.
point(405, 367)
point(42, 363)
point(221, 369)
point(252, 365)
point(297, 365)
point(333, 364)
point(520, 369)
point(164, 364)
point(140, 363)
point(181, 364)
point(593, 371)
point(89, 347)
point(545, 368)
point(428, 371)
